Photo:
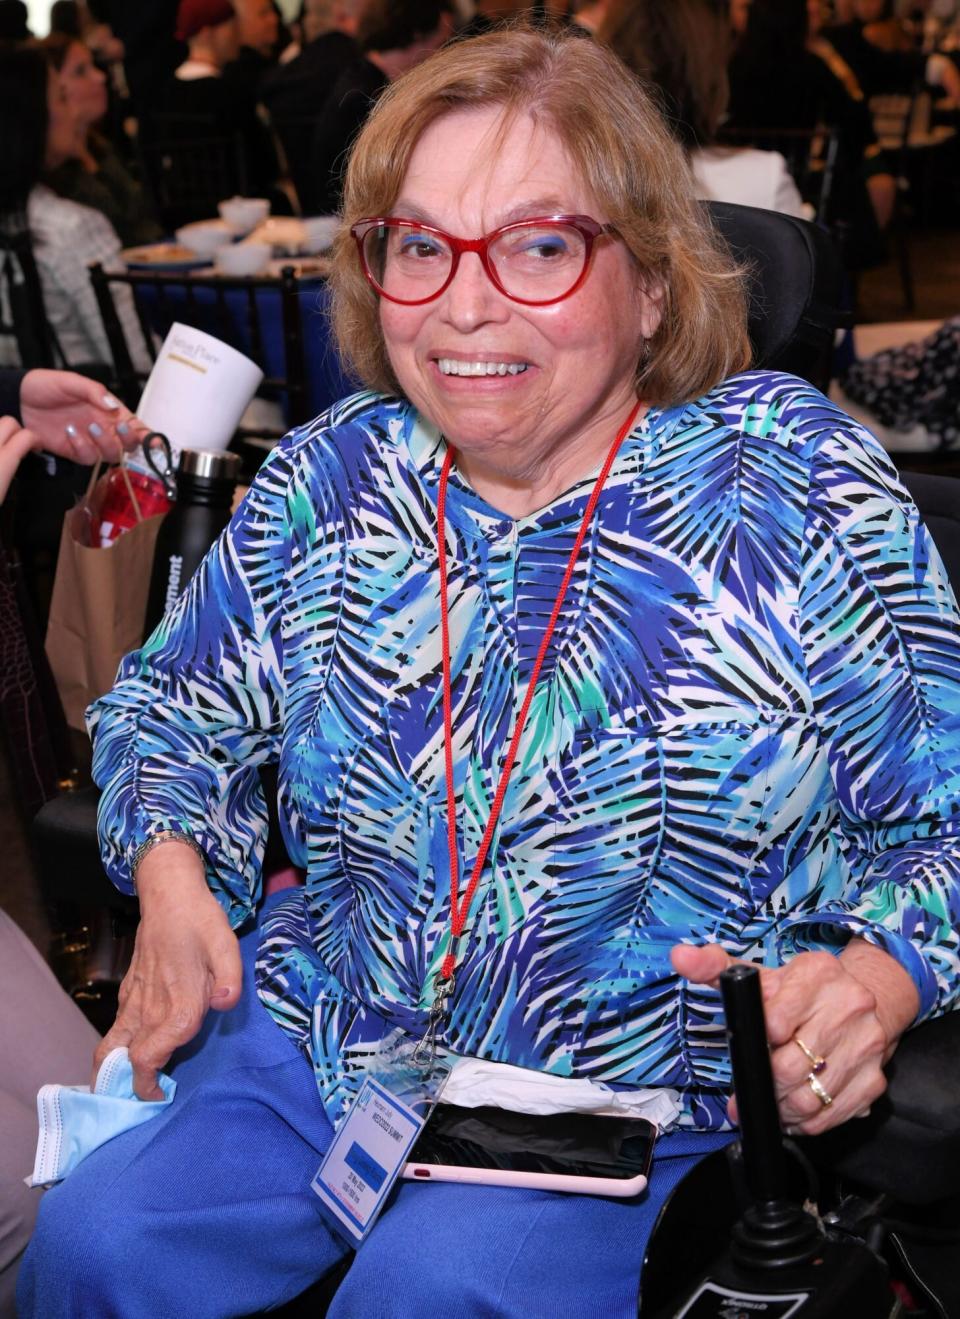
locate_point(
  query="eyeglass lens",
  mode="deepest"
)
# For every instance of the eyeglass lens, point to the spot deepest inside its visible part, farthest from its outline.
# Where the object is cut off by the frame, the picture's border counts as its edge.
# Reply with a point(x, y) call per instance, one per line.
point(535, 262)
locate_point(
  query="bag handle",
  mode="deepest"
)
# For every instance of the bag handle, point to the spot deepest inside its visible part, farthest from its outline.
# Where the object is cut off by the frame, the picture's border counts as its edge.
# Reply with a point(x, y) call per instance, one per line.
point(94, 475)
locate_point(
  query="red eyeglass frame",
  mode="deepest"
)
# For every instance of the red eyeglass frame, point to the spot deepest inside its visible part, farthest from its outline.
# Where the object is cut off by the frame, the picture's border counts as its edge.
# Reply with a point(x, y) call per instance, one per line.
point(589, 229)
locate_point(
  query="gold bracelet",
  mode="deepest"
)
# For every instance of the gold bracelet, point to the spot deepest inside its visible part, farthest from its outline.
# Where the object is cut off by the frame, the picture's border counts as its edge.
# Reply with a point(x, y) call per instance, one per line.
point(165, 836)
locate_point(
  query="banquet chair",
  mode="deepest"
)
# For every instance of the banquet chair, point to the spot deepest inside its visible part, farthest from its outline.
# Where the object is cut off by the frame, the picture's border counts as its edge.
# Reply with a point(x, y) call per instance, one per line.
point(23, 317)
point(895, 115)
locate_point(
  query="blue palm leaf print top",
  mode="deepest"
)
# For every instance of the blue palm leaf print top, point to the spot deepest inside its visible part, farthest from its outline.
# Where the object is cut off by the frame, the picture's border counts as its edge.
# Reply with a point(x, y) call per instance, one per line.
point(746, 730)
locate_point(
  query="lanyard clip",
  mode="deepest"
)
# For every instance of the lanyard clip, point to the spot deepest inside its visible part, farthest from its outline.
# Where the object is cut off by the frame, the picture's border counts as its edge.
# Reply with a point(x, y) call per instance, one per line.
point(425, 1053)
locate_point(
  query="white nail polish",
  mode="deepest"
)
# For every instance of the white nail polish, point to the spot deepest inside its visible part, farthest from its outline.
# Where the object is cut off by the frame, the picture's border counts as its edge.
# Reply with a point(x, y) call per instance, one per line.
point(72, 431)
point(123, 428)
point(95, 430)
point(108, 401)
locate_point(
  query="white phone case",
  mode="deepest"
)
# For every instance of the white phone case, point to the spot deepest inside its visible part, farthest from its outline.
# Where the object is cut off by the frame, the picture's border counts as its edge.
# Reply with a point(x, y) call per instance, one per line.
point(537, 1181)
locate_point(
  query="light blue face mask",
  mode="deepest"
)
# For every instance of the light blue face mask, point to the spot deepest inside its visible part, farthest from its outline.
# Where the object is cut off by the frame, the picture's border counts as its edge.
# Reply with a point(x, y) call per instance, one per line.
point(75, 1121)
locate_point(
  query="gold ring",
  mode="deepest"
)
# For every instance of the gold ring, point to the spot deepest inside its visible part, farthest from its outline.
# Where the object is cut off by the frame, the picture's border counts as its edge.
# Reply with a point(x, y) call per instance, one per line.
point(825, 1099)
point(814, 1059)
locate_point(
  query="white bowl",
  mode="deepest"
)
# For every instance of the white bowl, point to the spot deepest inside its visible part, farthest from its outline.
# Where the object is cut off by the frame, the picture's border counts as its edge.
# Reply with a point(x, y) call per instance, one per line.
point(243, 258)
point(321, 231)
point(244, 213)
point(205, 237)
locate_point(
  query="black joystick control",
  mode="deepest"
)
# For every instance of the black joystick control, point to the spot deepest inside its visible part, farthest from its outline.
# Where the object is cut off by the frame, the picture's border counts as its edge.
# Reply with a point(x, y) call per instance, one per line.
point(774, 1232)
point(781, 1261)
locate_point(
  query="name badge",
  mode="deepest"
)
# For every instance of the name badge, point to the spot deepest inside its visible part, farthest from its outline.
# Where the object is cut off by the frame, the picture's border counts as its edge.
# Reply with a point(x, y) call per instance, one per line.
point(365, 1158)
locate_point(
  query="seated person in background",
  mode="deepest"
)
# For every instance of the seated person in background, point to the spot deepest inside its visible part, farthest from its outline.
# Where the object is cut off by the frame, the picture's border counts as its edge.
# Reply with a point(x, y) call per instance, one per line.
point(204, 103)
point(259, 32)
point(680, 48)
point(916, 384)
point(490, 13)
point(295, 93)
point(779, 80)
point(42, 1032)
point(727, 755)
point(393, 36)
point(301, 86)
point(151, 52)
point(888, 68)
point(40, 132)
point(95, 176)
point(14, 21)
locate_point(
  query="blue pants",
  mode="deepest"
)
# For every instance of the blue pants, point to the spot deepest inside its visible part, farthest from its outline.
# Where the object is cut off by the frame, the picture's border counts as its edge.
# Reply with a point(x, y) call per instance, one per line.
point(207, 1211)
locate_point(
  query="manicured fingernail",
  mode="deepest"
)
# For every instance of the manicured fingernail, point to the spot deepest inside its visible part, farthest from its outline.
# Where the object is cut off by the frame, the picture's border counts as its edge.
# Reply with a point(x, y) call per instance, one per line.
point(72, 431)
point(108, 401)
point(123, 428)
point(95, 430)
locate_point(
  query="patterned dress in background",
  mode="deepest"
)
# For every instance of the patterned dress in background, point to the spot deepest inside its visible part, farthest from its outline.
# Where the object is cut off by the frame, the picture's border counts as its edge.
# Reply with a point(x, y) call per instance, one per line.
point(747, 730)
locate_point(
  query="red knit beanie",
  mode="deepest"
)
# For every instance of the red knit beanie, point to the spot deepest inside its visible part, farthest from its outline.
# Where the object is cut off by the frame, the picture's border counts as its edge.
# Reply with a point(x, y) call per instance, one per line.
point(194, 15)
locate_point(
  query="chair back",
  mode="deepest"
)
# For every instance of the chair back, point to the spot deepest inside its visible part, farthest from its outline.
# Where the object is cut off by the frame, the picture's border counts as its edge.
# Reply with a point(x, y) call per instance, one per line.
point(810, 153)
point(261, 316)
point(23, 317)
point(896, 114)
point(191, 166)
point(295, 134)
point(795, 285)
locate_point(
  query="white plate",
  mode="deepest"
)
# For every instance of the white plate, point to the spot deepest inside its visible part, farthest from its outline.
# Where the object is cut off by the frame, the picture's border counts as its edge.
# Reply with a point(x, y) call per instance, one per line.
point(162, 256)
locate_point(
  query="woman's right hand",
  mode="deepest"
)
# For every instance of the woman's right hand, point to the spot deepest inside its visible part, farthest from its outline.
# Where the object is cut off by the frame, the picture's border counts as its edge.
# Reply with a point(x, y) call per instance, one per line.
point(186, 960)
point(15, 443)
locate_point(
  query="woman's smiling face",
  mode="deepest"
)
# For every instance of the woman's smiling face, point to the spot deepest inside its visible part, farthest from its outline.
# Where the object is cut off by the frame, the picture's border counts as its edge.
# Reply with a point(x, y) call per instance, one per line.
point(570, 365)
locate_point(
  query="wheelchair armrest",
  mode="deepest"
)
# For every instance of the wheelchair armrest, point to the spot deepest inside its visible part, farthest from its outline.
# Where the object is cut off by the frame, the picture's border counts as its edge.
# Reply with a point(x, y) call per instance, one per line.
point(65, 838)
point(909, 1146)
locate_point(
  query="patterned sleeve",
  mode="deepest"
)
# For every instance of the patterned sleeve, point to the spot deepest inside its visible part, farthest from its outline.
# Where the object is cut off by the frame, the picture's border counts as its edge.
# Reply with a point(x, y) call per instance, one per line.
point(881, 636)
point(193, 713)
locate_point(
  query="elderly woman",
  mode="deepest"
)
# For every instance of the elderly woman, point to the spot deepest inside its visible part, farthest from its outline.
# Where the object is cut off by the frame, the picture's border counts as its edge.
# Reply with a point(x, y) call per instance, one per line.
point(697, 607)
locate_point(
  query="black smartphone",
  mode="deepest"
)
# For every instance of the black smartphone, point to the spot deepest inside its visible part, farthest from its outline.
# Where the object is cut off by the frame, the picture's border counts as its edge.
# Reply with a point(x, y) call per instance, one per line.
point(583, 1153)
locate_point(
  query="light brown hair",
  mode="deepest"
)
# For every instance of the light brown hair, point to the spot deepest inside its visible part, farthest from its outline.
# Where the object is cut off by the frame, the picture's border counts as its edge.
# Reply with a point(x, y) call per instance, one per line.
point(619, 143)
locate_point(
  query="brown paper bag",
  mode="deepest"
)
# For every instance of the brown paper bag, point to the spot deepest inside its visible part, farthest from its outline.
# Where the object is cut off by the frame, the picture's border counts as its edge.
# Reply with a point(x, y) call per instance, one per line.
point(99, 600)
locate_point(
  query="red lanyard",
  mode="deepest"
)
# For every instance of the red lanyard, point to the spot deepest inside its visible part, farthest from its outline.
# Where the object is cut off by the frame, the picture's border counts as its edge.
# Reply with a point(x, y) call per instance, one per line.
point(460, 909)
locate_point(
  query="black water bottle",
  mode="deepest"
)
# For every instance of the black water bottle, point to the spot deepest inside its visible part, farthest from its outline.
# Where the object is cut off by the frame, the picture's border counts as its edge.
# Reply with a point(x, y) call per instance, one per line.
point(205, 486)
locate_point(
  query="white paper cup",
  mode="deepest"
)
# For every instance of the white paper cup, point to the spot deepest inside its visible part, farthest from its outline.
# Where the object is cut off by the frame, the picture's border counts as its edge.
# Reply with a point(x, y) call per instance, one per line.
point(198, 390)
point(244, 213)
point(243, 258)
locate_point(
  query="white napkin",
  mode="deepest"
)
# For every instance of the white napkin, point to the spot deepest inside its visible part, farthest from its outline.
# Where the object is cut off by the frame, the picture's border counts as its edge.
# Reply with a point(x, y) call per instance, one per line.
point(473, 1082)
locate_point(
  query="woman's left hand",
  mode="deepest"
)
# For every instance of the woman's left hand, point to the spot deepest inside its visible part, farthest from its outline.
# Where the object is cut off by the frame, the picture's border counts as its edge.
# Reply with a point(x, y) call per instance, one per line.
point(849, 1011)
point(76, 418)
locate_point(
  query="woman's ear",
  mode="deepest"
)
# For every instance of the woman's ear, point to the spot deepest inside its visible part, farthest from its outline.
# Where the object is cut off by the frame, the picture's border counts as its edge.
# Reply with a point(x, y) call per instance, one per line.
point(650, 297)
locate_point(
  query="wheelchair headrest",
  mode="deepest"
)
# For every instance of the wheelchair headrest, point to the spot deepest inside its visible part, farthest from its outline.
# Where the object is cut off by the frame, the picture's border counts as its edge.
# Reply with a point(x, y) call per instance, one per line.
point(795, 285)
